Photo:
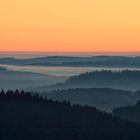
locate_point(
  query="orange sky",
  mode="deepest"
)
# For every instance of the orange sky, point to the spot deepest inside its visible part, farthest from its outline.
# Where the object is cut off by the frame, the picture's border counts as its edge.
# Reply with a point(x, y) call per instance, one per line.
point(70, 25)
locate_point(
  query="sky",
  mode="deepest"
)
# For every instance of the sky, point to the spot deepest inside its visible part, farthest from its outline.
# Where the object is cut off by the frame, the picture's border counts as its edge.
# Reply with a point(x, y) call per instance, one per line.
point(70, 25)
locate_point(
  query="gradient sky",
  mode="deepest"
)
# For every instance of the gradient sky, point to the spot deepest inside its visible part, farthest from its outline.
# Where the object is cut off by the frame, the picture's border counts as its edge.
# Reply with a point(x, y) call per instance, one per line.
point(70, 25)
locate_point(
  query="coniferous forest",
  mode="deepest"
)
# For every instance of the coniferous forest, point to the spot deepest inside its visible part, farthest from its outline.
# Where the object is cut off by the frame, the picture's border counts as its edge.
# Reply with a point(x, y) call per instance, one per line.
point(130, 112)
point(27, 116)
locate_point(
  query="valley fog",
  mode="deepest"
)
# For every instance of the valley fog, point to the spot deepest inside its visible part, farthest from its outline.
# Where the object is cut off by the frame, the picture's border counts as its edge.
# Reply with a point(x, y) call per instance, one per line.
point(60, 71)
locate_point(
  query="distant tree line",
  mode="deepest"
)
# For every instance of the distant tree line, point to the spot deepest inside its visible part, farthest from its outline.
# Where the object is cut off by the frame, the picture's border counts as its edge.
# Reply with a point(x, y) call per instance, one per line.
point(104, 74)
point(126, 79)
point(102, 98)
point(95, 61)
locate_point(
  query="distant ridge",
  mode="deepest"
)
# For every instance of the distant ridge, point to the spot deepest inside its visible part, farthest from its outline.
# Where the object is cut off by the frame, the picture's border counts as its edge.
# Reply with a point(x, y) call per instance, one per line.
point(125, 80)
point(77, 61)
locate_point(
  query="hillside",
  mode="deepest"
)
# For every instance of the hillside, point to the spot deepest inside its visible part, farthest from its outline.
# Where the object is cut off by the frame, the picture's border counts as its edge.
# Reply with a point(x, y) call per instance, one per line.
point(124, 80)
point(28, 117)
point(131, 112)
point(102, 98)
point(94, 61)
point(14, 79)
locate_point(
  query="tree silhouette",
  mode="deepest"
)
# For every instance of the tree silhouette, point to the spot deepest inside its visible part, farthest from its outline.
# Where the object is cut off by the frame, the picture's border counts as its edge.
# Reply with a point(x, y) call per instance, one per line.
point(25, 115)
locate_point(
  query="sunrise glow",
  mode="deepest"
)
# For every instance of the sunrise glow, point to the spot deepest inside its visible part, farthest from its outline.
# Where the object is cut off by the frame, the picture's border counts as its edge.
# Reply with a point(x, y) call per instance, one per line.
point(70, 26)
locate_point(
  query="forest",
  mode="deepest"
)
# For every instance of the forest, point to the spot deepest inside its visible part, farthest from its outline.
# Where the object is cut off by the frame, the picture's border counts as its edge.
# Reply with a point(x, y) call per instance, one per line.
point(123, 79)
point(129, 112)
point(103, 98)
point(28, 116)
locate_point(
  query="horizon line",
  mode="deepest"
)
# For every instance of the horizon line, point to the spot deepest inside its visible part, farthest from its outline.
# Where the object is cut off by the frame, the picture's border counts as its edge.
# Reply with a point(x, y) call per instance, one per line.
point(69, 52)
point(34, 54)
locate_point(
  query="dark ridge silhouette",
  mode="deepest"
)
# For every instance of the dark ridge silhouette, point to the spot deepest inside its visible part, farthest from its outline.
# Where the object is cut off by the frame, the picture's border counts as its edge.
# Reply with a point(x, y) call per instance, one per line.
point(131, 113)
point(24, 116)
point(95, 61)
point(121, 79)
point(124, 80)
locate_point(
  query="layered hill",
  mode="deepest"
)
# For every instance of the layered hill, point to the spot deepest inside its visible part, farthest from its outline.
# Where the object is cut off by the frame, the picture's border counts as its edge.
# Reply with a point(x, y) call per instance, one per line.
point(16, 80)
point(94, 61)
point(124, 80)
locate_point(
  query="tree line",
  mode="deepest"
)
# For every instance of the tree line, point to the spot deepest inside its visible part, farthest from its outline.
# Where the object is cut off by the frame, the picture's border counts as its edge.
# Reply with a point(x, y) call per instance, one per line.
point(27, 116)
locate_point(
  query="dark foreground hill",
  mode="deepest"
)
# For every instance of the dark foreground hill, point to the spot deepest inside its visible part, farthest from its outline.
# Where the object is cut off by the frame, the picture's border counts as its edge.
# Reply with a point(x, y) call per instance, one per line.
point(131, 113)
point(27, 117)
